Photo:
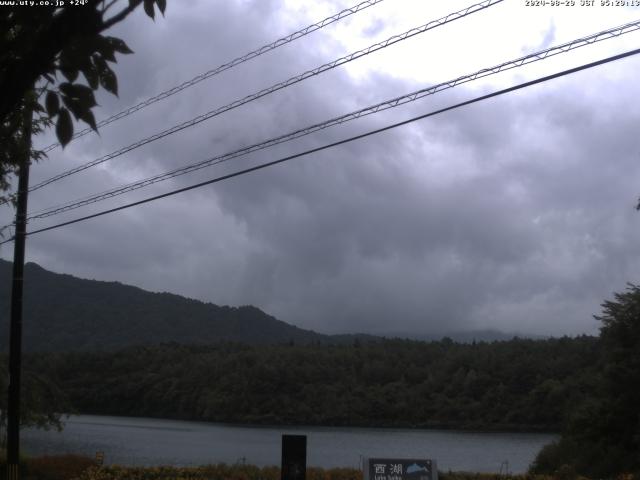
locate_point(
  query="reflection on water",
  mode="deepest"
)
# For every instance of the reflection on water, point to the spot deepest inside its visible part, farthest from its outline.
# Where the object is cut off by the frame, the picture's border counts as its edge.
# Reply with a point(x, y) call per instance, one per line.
point(143, 441)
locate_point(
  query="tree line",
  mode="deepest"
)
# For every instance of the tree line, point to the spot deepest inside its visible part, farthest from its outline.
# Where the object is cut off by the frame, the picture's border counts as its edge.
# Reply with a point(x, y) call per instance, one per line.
point(514, 385)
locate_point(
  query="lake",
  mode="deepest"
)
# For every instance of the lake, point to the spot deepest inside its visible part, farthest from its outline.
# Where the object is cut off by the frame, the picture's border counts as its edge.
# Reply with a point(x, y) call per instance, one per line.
point(144, 441)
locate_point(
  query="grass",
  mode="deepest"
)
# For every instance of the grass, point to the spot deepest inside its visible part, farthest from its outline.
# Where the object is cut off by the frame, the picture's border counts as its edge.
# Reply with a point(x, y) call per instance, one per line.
point(77, 467)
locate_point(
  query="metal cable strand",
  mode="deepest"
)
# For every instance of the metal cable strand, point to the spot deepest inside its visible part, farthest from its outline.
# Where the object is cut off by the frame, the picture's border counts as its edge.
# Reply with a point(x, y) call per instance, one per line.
point(339, 142)
point(279, 86)
point(392, 103)
point(226, 66)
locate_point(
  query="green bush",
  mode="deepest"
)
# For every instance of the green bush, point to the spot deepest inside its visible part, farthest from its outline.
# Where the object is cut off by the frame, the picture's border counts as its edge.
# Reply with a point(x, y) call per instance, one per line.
point(568, 459)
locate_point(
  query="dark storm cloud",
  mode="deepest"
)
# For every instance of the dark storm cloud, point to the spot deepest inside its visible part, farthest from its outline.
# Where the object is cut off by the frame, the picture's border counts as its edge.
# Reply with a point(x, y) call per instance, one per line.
point(515, 214)
point(530, 223)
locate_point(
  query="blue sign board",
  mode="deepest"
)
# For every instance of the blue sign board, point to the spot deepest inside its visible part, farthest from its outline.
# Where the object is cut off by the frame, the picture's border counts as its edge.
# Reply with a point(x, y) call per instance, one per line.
point(400, 469)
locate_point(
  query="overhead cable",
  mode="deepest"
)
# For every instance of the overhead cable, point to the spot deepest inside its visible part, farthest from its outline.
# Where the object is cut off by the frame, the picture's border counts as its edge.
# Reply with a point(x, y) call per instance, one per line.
point(341, 142)
point(226, 66)
point(387, 104)
point(278, 86)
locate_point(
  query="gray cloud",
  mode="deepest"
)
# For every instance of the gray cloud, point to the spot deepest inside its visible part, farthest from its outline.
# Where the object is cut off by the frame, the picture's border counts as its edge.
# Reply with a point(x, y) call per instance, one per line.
point(515, 214)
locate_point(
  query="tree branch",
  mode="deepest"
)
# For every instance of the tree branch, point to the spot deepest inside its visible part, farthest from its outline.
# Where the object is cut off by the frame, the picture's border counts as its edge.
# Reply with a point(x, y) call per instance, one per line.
point(108, 6)
point(117, 18)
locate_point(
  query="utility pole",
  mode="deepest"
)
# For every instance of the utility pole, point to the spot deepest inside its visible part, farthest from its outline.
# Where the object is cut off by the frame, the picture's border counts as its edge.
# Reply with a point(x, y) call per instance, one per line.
point(15, 339)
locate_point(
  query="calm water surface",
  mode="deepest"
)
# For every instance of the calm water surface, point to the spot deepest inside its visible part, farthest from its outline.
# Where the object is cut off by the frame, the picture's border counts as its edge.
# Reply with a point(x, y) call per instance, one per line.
point(143, 441)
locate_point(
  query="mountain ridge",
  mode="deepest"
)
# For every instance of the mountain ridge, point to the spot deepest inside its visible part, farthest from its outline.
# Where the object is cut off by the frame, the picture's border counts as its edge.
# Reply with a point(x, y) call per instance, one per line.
point(63, 312)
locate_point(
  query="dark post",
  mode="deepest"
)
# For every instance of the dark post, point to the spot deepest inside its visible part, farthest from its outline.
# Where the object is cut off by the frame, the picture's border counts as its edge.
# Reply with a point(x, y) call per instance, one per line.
point(15, 339)
point(294, 457)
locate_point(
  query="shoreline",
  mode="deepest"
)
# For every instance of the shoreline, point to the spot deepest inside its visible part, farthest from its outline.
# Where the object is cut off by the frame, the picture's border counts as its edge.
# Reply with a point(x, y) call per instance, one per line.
point(502, 429)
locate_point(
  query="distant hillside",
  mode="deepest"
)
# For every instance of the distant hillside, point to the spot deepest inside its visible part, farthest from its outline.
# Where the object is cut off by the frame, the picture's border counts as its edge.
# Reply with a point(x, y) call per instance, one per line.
point(62, 312)
point(487, 335)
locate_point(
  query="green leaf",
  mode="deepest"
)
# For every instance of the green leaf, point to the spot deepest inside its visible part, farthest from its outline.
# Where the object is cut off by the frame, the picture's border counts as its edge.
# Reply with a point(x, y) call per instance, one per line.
point(84, 94)
point(79, 100)
point(90, 72)
point(66, 88)
point(52, 103)
point(78, 93)
point(162, 4)
point(64, 127)
point(87, 117)
point(109, 81)
point(148, 8)
point(108, 52)
point(73, 105)
point(103, 46)
point(99, 62)
point(107, 78)
point(118, 45)
point(69, 73)
point(38, 108)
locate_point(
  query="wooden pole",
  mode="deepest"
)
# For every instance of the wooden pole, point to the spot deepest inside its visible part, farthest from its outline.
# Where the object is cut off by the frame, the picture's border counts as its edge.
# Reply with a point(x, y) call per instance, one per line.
point(15, 339)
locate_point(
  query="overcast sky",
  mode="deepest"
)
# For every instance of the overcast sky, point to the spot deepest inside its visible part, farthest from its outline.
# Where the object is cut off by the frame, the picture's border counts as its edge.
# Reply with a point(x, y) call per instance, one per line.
point(516, 213)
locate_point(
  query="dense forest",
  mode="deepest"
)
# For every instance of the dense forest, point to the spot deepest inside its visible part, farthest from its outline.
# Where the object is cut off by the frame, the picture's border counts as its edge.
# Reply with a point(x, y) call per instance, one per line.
point(514, 385)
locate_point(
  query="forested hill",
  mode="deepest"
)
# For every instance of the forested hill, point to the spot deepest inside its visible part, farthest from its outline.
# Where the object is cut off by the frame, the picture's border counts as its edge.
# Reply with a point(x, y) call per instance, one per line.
point(516, 385)
point(62, 313)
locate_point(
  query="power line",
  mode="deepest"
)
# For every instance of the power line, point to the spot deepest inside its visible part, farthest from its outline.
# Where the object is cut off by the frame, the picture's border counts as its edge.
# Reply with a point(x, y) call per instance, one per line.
point(341, 142)
point(226, 66)
point(279, 86)
point(388, 104)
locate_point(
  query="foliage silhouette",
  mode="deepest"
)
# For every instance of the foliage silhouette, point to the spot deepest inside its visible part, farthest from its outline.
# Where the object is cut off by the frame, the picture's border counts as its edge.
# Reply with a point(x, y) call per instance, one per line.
point(36, 45)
